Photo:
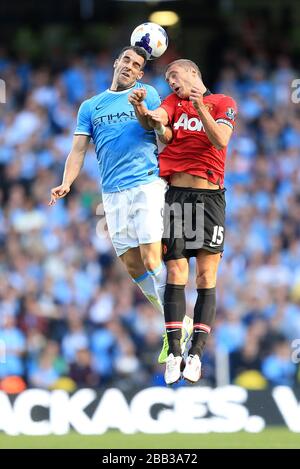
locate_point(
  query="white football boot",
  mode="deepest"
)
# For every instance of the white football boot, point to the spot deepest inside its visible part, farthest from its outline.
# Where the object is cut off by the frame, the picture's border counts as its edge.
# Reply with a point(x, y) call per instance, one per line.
point(173, 369)
point(192, 370)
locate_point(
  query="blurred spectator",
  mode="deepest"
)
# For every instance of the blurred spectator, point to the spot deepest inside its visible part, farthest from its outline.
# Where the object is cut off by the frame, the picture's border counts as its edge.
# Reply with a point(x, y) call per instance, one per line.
point(278, 367)
point(246, 358)
point(43, 375)
point(13, 341)
point(81, 371)
point(76, 338)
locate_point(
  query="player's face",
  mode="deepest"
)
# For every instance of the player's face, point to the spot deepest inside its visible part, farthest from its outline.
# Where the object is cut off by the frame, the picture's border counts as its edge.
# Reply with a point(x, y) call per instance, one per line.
point(128, 69)
point(180, 80)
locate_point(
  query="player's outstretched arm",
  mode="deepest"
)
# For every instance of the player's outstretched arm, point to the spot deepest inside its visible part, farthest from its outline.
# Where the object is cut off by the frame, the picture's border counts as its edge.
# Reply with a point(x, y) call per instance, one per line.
point(73, 166)
point(158, 119)
point(136, 98)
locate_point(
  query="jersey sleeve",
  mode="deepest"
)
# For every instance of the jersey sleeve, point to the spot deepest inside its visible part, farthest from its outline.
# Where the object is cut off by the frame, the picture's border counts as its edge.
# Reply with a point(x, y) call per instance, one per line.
point(226, 112)
point(84, 123)
point(169, 105)
point(152, 100)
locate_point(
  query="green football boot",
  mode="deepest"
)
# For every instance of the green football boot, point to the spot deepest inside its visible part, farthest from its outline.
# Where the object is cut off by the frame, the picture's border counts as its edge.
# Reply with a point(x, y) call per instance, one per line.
point(187, 331)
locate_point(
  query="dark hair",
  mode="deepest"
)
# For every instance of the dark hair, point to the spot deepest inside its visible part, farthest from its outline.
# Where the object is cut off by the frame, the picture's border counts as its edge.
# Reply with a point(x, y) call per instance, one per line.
point(138, 50)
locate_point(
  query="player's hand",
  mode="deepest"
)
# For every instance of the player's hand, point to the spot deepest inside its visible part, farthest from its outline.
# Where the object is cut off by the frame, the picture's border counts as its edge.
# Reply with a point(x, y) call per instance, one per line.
point(137, 96)
point(58, 193)
point(196, 97)
point(154, 119)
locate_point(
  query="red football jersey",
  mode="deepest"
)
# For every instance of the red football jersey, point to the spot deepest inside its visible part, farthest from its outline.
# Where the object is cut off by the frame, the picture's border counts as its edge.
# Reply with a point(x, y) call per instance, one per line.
point(190, 150)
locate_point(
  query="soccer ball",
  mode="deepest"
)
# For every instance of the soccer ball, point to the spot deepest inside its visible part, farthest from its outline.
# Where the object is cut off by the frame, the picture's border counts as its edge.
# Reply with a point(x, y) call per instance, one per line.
point(151, 37)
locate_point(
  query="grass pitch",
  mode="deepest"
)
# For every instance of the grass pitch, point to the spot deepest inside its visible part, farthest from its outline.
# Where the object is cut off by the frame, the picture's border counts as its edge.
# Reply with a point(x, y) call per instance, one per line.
point(273, 437)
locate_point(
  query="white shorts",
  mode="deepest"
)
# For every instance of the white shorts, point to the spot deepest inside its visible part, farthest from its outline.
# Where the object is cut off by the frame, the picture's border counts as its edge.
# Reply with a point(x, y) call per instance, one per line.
point(135, 216)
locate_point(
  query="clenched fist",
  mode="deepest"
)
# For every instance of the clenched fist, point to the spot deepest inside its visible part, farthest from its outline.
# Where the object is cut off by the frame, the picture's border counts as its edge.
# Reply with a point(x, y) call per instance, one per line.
point(137, 96)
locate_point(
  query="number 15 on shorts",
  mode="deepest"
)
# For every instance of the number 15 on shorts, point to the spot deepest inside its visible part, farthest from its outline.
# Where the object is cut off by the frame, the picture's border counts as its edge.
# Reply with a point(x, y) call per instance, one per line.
point(218, 236)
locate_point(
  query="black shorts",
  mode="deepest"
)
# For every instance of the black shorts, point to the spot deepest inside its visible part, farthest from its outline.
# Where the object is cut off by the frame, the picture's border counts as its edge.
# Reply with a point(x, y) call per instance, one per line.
point(194, 219)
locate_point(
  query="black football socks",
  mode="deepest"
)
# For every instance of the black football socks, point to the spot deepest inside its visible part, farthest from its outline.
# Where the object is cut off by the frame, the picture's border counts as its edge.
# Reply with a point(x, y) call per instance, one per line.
point(204, 317)
point(174, 308)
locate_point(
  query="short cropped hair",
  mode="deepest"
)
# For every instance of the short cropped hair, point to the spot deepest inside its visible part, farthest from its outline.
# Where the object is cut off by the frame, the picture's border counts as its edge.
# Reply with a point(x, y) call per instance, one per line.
point(186, 64)
point(138, 50)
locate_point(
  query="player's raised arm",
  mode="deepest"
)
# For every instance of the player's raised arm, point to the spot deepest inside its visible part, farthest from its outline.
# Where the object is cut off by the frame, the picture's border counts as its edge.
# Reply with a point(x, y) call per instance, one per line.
point(73, 166)
point(136, 98)
point(218, 131)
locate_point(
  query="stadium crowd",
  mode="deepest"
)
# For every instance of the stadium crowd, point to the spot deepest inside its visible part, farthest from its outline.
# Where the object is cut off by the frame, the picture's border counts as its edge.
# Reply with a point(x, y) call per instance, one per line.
point(69, 314)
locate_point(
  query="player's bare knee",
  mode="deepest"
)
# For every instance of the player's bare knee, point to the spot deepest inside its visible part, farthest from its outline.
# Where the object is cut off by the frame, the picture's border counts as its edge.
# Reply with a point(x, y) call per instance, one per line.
point(206, 279)
point(151, 262)
point(177, 276)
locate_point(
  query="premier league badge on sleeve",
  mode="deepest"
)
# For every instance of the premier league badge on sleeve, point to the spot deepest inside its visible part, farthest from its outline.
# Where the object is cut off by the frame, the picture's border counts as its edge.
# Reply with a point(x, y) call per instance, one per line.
point(230, 113)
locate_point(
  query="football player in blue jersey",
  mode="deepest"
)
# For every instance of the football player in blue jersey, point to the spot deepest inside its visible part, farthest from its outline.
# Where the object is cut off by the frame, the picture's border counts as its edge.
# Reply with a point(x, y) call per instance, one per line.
point(132, 191)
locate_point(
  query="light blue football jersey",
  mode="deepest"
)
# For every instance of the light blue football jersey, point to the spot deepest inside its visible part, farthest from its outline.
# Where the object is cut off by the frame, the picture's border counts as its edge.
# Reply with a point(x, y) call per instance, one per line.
point(126, 153)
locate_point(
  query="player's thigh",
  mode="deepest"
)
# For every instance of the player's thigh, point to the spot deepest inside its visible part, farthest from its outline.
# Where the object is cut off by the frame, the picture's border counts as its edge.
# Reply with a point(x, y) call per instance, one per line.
point(207, 264)
point(120, 224)
point(148, 211)
point(173, 241)
point(133, 262)
point(178, 271)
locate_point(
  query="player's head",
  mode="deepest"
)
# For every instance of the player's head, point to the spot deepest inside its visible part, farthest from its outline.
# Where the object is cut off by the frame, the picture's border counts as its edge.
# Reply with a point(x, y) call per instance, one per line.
point(182, 75)
point(128, 67)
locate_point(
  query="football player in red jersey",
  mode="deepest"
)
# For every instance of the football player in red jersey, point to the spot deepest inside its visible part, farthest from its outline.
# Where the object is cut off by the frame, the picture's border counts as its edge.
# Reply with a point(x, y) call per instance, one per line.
point(196, 127)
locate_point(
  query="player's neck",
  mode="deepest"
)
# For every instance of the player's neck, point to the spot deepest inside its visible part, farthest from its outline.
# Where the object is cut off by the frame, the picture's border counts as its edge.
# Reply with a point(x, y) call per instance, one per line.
point(117, 87)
